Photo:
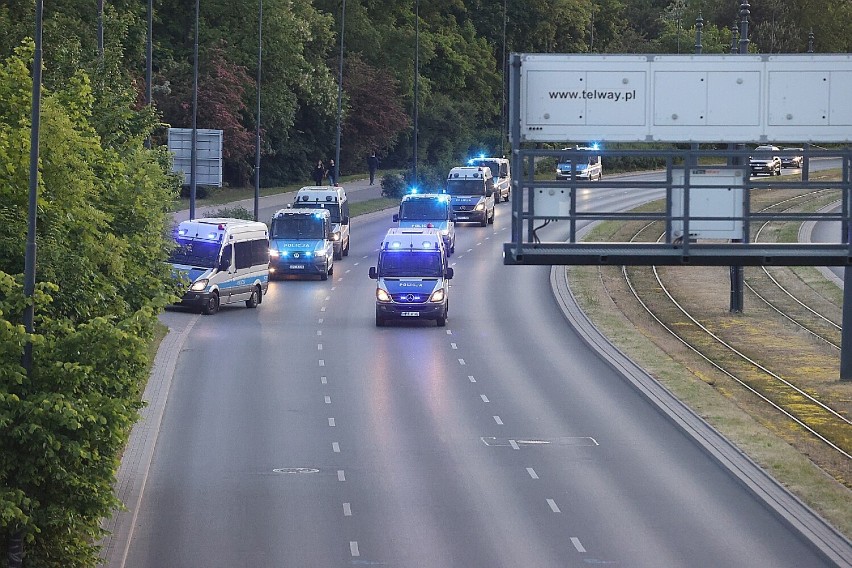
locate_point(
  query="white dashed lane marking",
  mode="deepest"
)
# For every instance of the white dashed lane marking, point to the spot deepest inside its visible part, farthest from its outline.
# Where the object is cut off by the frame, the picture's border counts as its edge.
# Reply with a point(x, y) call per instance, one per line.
point(453, 346)
point(319, 346)
point(484, 398)
point(498, 420)
point(340, 475)
point(347, 510)
point(353, 548)
point(324, 380)
point(322, 362)
point(471, 379)
point(514, 445)
point(319, 332)
point(532, 473)
point(331, 422)
point(335, 447)
point(553, 506)
point(576, 542)
point(328, 400)
point(461, 362)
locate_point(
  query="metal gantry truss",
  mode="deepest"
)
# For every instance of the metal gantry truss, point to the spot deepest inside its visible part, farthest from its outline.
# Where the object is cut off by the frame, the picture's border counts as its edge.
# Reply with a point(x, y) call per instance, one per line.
point(527, 247)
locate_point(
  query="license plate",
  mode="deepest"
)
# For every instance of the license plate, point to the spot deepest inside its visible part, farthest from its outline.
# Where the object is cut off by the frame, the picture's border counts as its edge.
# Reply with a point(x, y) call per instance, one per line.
point(297, 267)
point(410, 314)
point(461, 217)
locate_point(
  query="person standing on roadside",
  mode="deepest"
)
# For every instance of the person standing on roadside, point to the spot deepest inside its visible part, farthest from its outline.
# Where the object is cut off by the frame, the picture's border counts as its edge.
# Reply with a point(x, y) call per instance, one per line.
point(372, 166)
point(318, 173)
point(331, 179)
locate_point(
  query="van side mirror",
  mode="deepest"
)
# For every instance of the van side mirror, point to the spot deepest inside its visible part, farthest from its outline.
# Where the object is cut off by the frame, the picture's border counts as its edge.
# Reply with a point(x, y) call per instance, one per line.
point(448, 273)
point(346, 219)
point(396, 217)
point(224, 265)
point(373, 273)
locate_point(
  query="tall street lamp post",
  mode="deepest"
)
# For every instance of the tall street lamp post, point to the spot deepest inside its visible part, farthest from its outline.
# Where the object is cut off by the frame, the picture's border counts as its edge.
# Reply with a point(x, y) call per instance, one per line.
point(339, 95)
point(194, 149)
point(416, 80)
point(257, 120)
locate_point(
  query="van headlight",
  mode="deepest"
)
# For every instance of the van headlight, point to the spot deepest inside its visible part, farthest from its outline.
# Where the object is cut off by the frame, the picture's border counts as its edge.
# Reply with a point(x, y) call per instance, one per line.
point(383, 296)
point(437, 296)
point(319, 252)
point(479, 206)
point(335, 236)
point(199, 285)
point(273, 253)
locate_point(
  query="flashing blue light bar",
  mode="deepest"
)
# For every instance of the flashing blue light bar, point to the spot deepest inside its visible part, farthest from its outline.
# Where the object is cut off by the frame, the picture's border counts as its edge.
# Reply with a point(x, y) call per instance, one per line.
point(412, 190)
point(482, 156)
point(471, 161)
point(595, 146)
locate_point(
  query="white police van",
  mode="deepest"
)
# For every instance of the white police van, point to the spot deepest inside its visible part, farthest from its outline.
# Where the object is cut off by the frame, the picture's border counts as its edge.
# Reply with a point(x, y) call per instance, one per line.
point(502, 174)
point(334, 200)
point(587, 167)
point(226, 261)
point(471, 191)
point(412, 277)
point(301, 243)
point(428, 211)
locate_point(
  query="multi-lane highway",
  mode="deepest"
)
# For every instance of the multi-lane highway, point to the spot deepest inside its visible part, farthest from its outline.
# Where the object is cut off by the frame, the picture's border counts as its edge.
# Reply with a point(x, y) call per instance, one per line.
point(300, 434)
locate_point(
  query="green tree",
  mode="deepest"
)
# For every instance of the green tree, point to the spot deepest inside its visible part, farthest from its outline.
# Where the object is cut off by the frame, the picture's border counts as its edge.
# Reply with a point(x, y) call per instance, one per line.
point(102, 243)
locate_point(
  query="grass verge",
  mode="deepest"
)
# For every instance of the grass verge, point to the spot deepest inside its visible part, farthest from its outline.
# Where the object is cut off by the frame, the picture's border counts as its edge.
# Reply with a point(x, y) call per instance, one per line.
point(770, 441)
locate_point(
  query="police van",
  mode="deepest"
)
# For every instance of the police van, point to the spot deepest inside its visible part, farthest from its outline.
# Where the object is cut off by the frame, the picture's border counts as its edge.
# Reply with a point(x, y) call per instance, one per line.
point(412, 277)
point(301, 243)
point(226, 261)
point(334, 200)
point(502, 174)
point(428, 211)
point(588, 166)
point(471, 191)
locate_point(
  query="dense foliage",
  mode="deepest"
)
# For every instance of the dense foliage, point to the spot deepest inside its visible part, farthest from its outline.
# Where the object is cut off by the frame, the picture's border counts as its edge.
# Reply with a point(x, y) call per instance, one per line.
point(101, 242)
point(461, 54)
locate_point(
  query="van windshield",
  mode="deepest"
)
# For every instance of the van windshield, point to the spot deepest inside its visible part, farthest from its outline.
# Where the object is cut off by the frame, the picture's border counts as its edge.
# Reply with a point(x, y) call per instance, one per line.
point(403, 264)
point(423, 210)
point(493, 166)
point(195, 253)
point(333, 208)
point(297, 227)
point(465, 187)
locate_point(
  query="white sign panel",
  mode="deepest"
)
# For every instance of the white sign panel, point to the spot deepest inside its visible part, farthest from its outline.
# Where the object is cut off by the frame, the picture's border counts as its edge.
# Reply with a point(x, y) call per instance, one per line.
point(685, 98)
point(713, 192)
point(208, 155)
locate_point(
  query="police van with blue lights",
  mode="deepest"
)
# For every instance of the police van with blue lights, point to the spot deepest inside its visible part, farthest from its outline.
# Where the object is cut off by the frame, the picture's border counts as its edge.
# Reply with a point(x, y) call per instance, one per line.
point(412, 277)
point(471, 191)
point(428, 211)
point(301, 243)
point(333, 199)
point(502, 174)
point(587, 166)
point(225, 260)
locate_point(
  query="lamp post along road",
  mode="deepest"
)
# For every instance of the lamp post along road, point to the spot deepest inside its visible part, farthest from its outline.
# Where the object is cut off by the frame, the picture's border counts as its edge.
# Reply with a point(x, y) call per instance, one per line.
point(15, 557)
point(257, 120)
point(193, 151)
point(416, 80)
point(339, 95)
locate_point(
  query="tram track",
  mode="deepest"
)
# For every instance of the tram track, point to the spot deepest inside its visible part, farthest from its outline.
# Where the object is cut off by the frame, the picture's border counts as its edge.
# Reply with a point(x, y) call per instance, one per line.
point(748, 365)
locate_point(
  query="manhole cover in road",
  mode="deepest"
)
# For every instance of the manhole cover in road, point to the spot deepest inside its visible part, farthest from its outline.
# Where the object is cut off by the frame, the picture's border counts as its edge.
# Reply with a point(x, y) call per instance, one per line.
point(295, 470)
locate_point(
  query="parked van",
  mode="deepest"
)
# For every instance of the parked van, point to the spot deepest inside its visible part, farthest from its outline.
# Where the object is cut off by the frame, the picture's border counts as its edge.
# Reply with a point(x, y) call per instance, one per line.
point(226, 261)
point(587, 166)
point(412, 277)
point(429, 211)
point(301, 243)
point(334, 200)
point(471, 191)
point(502, 174)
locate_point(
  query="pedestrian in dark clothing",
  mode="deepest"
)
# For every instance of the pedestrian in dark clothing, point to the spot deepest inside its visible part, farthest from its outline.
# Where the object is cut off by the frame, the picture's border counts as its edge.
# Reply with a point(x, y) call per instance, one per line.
point(331, 173)
point(372, 165)
point(319, 173)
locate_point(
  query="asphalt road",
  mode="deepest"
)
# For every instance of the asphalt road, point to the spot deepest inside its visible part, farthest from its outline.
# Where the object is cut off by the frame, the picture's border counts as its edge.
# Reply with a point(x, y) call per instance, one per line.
point(299, 434)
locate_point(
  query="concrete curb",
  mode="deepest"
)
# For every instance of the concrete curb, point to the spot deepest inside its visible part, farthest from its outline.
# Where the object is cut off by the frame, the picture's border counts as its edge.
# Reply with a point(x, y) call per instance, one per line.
point(825, 539)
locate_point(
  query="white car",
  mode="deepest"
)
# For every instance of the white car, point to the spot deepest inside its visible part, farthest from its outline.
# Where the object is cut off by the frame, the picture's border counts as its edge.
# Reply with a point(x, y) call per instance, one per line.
point(766, 161)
